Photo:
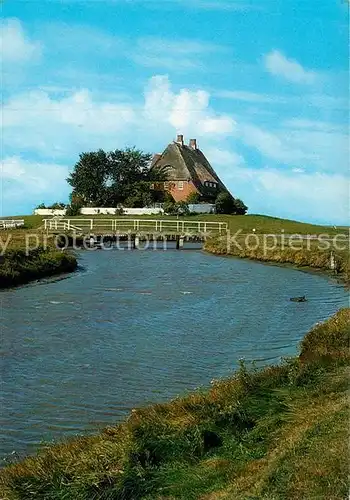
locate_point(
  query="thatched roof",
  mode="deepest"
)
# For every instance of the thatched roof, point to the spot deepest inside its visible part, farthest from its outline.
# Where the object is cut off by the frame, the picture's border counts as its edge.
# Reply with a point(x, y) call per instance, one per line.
point(184, 163)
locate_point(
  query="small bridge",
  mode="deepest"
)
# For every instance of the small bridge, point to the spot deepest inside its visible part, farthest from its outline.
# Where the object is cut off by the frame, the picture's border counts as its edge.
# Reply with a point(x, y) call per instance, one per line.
point(161, 227)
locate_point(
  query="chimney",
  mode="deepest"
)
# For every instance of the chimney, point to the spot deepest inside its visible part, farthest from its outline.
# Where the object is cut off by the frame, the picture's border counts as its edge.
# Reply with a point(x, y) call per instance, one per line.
point(193, 143)
point(180, 139)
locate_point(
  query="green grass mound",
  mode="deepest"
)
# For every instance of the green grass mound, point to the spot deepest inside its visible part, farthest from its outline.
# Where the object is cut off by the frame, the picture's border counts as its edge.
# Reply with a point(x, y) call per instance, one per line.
point(18, 267)
point(277, 433)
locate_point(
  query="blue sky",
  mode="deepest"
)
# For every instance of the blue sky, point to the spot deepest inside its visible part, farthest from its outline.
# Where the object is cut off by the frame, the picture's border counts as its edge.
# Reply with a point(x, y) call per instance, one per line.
point(262, 85)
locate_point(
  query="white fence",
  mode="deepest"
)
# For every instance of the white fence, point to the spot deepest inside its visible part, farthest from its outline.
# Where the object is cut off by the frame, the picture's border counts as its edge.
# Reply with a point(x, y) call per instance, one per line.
point(202, 208)
point(125, 225)
point(50, 211)
point(11, 224)
point(101, 211)
point(126, 211)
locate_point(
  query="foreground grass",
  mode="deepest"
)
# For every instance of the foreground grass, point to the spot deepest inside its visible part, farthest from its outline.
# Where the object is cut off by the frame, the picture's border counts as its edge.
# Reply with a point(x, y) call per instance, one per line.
point(18, 267)
point(277, 434)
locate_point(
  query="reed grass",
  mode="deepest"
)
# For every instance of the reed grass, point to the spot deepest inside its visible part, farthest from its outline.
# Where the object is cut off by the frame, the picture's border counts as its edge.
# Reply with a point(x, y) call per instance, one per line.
point(19, 267)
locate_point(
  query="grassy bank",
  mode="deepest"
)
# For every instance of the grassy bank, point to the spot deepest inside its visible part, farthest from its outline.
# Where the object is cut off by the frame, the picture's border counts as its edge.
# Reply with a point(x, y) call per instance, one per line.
point(279, 433)
point(18, 268)
point(312, 257)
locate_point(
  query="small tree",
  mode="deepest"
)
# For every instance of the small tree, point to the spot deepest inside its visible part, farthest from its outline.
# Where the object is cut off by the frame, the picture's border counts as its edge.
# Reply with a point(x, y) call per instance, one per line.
point(57, 206)
point(75, 206)
point(169, 207)
point(225, 203)
point(193, 198)
point(241, 208)
point(176, 208)
point(182, 208)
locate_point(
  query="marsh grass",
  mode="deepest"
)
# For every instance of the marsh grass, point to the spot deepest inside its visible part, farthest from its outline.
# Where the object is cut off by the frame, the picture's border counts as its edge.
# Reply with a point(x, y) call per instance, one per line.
point(277, 433)
point(18, 267)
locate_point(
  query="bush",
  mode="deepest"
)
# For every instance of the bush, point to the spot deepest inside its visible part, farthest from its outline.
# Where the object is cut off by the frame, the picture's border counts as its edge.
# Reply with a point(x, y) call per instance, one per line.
point(73, 209)
point(176, 208)
point(57, 206)
point(225, 203)
point(193, 198)
point(241, 208)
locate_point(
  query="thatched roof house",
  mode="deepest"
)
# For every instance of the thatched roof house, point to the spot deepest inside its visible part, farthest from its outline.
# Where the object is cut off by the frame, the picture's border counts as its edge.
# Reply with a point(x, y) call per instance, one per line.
point(188, 171)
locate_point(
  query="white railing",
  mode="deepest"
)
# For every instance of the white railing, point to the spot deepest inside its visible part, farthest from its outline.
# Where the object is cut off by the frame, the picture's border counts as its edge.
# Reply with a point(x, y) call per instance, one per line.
point(11, 224)
point(136, 225)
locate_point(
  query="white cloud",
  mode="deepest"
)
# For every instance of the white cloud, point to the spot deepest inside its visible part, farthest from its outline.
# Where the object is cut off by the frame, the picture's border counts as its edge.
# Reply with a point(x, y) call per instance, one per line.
point(83, 40)
point(290, 193)
point(302, 123)
point(16, 47)
point(251, 97)
point(25, 181)
point(269, 144)
point(36, 121)
point(43, 123)
point(172, 55)
point(225, 160)
point(303, 195)
point(279, 65)
point(187, 112)
point(304, 147)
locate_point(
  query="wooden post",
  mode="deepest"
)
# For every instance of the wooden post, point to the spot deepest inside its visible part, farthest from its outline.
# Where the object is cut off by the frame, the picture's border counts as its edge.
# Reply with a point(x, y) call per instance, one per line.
point(179, 242)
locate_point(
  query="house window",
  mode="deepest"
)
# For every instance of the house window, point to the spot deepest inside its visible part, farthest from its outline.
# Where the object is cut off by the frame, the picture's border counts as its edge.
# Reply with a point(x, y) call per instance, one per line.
point(180, 185)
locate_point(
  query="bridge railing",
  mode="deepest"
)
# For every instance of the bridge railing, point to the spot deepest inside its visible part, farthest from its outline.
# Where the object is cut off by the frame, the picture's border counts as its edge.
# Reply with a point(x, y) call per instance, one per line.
point(170, 226)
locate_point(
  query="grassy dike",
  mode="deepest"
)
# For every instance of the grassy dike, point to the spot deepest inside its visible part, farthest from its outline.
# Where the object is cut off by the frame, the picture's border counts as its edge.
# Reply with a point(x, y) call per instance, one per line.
point(18, 267)
point(277, 433)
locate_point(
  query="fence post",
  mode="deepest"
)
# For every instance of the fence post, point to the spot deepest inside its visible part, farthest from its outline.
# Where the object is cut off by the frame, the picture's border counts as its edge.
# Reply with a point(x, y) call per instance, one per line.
point(68, 225)
point(91, 223)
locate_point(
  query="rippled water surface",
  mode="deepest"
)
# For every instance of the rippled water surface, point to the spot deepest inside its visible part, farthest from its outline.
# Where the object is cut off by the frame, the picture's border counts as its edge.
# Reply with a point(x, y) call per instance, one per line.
point(138, 327)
